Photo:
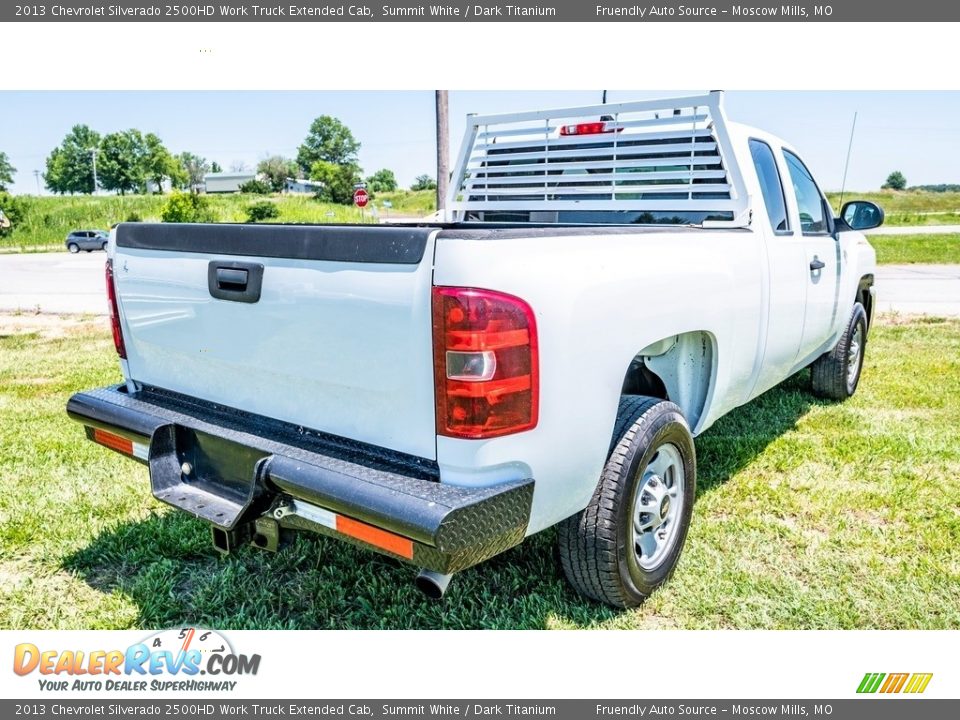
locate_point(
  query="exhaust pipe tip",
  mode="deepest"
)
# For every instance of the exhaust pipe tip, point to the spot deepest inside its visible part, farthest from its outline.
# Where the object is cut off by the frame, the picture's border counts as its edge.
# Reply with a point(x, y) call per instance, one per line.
point(432, 584)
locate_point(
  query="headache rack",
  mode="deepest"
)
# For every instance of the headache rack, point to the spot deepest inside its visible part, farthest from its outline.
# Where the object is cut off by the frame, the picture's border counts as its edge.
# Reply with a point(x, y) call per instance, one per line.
point(648, 158)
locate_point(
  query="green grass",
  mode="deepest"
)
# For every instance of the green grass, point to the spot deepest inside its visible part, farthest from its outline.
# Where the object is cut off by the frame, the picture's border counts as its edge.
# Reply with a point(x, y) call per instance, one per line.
point(48, 220)
point(909, 207)
point(903, 249)
point(810, 515)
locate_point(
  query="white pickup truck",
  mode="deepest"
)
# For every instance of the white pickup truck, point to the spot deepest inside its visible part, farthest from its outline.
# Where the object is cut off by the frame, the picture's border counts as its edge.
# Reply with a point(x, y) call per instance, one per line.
point(605, 283)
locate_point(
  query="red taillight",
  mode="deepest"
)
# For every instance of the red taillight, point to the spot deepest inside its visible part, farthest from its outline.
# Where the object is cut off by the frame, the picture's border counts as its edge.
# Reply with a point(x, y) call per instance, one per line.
point(485, 363)
point(114, 311)
point(590, 128)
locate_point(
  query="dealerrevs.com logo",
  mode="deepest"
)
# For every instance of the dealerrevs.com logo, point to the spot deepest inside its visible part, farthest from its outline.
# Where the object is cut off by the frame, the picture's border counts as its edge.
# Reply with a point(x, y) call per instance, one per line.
point(181, 659)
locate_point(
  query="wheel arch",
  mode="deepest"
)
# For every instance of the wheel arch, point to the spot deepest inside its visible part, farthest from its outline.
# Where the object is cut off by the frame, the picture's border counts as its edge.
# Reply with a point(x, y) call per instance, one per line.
point(680, 368)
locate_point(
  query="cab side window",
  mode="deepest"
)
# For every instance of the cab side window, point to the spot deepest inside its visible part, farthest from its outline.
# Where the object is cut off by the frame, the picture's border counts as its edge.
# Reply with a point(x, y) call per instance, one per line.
point(810, 202)
point(770, 185)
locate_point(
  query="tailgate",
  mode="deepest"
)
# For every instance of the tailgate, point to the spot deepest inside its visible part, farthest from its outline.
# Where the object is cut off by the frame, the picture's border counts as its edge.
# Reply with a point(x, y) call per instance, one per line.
point(326, 327)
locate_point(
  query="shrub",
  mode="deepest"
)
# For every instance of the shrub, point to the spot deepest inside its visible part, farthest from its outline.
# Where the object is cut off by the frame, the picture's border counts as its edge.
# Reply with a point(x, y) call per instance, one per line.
point(183, 207)
point(256, 187)
point(14, 209)
point(134, 217)
point(263, 210)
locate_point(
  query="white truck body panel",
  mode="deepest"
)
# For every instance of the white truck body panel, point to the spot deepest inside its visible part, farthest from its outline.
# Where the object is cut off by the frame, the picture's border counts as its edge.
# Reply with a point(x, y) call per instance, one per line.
point(345, 348)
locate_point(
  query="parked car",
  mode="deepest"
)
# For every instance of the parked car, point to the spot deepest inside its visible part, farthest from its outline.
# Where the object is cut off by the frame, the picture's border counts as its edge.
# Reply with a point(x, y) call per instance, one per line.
point(87, 240)
point(597, 293)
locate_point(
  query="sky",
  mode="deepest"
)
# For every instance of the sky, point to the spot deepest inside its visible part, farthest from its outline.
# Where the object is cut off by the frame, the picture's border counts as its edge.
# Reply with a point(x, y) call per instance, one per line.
point(917, 133)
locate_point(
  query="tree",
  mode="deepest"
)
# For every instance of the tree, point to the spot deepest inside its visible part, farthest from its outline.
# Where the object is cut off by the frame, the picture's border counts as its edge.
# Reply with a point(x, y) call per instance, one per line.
point(338, 181)
point(70, 166)
point(275, 171)
point(195, 168)
point(215, 167)
point(12, 209)
point(424, 182)
point(330, 141)
point(895, 181)
point(7, 171)
point(382, 181)
point(122, 162)
point(159, 164)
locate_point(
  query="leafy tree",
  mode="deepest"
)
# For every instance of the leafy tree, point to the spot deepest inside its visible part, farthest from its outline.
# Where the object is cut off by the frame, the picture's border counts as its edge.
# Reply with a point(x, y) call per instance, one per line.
point(70, 166)
point(263, 210)
point(382, 181)
point(159, 164)
point(7, 171)
point(195, 168)
point(424, 182)
point(14, 209)
point(185, 207)
point(338, 181)
point(895, 181)
point(122, 162)
point(329, 141)
point(275, 170)
point(255, 187)
point(215, 167)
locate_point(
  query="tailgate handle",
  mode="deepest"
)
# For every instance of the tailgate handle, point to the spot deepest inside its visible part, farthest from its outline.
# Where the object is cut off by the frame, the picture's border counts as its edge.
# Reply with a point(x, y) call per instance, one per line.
point(235, 281)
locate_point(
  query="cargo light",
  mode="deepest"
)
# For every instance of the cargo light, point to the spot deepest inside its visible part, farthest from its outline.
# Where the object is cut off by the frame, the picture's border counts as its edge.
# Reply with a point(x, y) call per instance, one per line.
point(114, 310)
point(485, 363)
point(590, 128)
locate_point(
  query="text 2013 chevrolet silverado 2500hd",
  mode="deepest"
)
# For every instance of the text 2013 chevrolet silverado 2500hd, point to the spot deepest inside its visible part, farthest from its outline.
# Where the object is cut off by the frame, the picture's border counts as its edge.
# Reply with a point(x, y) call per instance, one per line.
point(606, 282)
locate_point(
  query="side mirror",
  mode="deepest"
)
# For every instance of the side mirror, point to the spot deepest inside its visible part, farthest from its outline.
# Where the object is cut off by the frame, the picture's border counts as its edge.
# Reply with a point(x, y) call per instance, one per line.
point(862, 215)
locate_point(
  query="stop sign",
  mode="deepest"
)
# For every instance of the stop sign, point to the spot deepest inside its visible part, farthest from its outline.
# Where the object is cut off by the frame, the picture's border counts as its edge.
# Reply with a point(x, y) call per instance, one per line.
point(360, 197)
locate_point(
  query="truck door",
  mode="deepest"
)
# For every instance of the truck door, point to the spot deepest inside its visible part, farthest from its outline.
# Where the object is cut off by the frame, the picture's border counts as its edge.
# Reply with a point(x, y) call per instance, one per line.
point(822, 257)
point(787, 282)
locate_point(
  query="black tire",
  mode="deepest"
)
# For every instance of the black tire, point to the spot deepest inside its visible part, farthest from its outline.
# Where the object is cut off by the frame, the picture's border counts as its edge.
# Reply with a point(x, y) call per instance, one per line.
point(104, 247)
point(596, 544)
point(832, 375)
point(74, 248)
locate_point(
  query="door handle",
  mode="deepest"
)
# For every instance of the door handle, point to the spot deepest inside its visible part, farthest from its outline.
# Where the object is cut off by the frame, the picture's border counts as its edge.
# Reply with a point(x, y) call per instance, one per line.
point(817, 264)
point(235, 281)
point(231, 278)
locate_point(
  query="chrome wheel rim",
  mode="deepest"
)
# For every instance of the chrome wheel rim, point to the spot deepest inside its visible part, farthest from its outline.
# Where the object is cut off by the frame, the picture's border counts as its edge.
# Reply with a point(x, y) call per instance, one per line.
point(854, 352)
point(657, 507)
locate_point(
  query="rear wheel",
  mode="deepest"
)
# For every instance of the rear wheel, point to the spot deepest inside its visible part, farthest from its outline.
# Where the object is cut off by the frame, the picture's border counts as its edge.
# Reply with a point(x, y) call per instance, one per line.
point(74, 248)
point(836, 374)
point(104, 247)
point(627, 541)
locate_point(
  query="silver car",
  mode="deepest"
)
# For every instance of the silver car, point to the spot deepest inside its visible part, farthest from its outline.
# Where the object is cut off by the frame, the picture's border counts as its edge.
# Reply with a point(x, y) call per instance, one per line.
point(87, 240)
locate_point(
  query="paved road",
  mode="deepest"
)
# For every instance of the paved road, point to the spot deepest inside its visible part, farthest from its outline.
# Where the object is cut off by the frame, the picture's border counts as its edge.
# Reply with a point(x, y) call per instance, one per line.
point(926, 289)
point(918, 230)
point(56, 282)
point(63, 283)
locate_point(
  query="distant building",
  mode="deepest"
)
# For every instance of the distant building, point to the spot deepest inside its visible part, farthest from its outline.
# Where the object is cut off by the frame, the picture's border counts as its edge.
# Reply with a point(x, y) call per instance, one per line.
point(226, 182)
point(302, 187)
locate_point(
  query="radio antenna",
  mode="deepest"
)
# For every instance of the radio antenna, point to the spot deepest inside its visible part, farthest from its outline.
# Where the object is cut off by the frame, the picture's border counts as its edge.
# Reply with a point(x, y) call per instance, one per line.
point(846, 165)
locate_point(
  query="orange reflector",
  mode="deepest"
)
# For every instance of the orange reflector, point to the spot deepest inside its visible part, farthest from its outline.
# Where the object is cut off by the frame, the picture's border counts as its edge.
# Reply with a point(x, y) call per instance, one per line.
point(114, 442)
point(375, 536)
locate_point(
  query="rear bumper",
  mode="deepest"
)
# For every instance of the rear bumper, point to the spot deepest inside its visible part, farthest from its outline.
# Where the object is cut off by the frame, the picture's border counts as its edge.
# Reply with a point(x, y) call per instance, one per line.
point(252, 477)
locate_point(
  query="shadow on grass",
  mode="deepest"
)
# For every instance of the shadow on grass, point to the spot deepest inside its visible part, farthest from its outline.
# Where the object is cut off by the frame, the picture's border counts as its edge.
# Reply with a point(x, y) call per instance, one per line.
point(167, 567)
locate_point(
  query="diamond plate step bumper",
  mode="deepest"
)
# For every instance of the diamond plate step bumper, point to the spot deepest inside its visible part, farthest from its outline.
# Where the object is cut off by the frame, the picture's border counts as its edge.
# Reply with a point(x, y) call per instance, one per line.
point(251, 477)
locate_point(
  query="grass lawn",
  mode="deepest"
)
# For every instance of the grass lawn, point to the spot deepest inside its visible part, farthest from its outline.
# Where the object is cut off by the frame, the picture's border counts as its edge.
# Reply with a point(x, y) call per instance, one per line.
point(901, 249)
point(810, 515)
point(47, 220)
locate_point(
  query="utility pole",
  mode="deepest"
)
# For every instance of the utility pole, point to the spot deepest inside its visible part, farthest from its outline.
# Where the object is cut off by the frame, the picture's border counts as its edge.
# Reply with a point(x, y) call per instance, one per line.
point(36, 174)
point(93, 153)
point(443, 148)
